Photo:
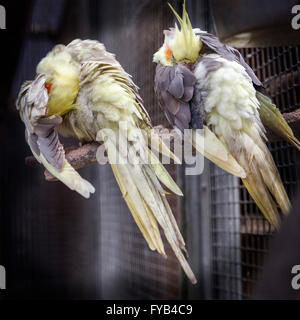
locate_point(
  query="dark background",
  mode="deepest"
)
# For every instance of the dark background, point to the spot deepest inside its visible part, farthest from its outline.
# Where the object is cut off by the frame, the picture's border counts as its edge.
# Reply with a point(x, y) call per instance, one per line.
point(55, 244)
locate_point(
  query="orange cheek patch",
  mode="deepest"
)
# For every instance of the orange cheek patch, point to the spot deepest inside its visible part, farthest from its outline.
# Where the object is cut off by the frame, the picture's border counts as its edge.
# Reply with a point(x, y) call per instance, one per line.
point(48, 86)
point(168, 52)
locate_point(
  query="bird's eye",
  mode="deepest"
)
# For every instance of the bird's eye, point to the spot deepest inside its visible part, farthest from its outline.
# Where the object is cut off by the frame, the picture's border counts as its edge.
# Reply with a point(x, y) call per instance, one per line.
point(48, 86)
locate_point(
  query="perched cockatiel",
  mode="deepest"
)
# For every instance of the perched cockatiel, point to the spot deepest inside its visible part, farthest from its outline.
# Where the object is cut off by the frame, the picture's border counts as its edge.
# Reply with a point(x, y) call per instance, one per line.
point(204, 84)
point(81, 90)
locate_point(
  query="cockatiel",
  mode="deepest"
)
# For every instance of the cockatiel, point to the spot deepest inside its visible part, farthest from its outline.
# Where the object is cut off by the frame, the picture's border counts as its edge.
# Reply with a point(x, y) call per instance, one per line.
point(203, 84)
point(81, 90)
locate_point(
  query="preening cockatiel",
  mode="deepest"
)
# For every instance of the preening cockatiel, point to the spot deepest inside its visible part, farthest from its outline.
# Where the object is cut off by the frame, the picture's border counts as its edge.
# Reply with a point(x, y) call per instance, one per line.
point(204, 84)
point(81, 90)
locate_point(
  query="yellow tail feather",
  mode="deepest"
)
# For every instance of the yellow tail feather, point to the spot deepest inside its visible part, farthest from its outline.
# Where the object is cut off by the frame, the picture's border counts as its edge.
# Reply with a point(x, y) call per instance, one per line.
point(67, 175)
point(148, 205)
point(263, 180)
point(214, 150)
point(163, 175)
point(260, 195)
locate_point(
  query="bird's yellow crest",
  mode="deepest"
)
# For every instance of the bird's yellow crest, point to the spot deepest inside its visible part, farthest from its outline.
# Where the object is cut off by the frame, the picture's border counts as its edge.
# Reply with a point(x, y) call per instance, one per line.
point(186, 45)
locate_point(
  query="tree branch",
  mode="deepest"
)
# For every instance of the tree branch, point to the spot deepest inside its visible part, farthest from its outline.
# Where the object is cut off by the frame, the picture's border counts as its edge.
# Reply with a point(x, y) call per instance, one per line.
point(83, 156)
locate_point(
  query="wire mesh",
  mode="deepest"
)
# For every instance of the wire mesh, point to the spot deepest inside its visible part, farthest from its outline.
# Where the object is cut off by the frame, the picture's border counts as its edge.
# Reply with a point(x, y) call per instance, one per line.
point(241, 235)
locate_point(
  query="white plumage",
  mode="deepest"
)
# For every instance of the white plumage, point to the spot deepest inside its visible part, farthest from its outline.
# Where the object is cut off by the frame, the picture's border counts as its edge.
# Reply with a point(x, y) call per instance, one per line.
point(231, 112)
point(231, 100)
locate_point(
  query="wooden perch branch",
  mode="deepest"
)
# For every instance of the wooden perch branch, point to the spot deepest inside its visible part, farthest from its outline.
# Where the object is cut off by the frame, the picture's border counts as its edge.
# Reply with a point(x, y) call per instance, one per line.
point(78, 157)
point(293, 119)
point(85, 155)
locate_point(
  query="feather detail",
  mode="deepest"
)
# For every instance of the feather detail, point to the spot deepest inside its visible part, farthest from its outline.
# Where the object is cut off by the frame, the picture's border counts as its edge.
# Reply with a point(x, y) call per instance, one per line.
point(158, 145)
point(273, 119)
point(232, 113)
point(162, 174)
point(262, 179)
point(43, 139)
point(185, 45)
point(148, 206)
point(214, 150)
point(67, 175)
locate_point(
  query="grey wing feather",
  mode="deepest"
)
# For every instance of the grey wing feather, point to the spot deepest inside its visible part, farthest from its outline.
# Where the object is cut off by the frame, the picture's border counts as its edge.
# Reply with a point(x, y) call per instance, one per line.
point(40, 134)
point(228, 53)
point(174, 87)
point(48, 141)
point(197, 109)
point(32, 101)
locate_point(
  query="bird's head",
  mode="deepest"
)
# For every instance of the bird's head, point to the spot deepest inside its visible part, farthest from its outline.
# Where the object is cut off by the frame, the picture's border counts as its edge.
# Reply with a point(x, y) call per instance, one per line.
point(180, 45)
point(62, 80)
